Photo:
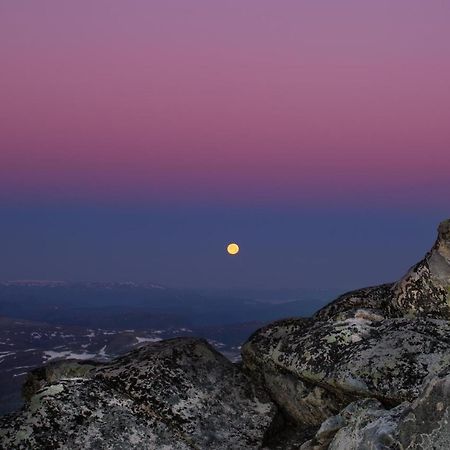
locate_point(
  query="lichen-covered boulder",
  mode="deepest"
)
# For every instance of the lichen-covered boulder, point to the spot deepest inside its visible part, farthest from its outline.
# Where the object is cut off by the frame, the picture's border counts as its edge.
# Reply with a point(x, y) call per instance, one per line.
point(304, 401)
point(360, 355)
point(366, 424)
point(178, 394)
point(381, 342)
point(374, 298)
point(80, 414)
point(196, 389)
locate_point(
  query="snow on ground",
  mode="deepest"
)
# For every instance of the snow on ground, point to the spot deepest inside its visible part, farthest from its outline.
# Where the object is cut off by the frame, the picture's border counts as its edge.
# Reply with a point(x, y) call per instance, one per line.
point(50, 354)
point(144, 339)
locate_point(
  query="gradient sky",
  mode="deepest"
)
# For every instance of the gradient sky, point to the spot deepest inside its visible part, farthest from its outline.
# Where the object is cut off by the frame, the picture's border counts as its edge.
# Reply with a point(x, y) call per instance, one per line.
point(137, 137)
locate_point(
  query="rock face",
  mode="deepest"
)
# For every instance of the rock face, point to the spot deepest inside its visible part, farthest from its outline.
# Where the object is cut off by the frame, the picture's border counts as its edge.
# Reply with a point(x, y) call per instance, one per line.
point(425, 290)
point(382, 342)
point(178, 394)
point(302, 399)
point(423, 424)
point(369, 371)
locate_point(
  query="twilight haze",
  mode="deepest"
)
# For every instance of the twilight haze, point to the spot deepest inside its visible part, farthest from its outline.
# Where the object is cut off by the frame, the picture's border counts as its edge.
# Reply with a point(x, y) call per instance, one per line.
point(138, 138)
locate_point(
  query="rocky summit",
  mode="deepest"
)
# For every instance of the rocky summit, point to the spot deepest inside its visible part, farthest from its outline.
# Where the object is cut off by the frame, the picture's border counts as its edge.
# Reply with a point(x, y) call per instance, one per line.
point(371, 370)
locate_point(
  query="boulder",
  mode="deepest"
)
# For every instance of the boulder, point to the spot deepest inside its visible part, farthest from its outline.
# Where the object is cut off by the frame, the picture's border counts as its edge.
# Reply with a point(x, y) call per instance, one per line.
point(360, 355)
point(178, 393)
point(366, 424)
point(79, 414)
point(54, 371)
point(382, 342)
point(301, 399)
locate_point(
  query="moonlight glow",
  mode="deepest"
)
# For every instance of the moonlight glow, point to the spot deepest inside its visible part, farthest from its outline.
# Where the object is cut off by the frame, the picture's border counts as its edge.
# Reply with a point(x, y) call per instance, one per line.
point(233, 249)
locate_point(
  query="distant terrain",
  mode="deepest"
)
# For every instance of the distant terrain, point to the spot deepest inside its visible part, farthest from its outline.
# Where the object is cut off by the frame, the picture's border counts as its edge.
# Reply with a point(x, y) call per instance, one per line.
point(46, 321)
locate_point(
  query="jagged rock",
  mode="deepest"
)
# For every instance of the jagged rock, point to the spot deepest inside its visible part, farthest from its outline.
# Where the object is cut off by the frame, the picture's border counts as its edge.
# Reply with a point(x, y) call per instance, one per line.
point(425, 290)
point(381, 342)
point(178, 393)
point(366, 424)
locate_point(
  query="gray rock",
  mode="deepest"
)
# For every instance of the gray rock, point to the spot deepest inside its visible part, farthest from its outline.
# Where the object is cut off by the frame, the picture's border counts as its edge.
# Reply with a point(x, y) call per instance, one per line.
point(387, 359)
point(301, 399)
point(363, 425)
point(381, 342)
point(178, 393)
point(54, 371)
point(80, 414)
point(421, 425)
point(425, 423)
point(376, 299)
point(423, 292)
point(325, 434)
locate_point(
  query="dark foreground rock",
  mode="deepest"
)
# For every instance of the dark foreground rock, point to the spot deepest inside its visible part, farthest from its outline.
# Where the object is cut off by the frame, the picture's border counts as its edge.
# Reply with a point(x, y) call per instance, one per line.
point(367, 424)
point(369, 371)
point(178, 394)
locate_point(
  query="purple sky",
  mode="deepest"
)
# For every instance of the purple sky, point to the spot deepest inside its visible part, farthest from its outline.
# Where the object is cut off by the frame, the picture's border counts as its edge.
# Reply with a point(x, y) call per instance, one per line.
point(208, 107)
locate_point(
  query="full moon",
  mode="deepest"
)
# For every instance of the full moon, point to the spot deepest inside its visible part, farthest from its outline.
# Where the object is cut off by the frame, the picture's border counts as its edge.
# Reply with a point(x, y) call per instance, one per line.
point(233, 248)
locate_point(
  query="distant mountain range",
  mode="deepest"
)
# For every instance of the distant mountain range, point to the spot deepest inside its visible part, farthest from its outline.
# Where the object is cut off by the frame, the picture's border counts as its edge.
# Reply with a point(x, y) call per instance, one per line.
point(149, 305)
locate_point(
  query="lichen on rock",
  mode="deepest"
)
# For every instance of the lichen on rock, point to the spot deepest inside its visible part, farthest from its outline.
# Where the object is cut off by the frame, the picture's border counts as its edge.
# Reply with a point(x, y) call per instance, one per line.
point(174, 394)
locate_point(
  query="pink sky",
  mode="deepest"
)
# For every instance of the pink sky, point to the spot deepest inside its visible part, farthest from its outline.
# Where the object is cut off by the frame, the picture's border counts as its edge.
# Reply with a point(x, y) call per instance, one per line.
point(229, 101)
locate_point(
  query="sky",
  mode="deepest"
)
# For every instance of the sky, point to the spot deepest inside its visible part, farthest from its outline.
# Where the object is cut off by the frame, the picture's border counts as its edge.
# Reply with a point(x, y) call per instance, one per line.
point(138, 138)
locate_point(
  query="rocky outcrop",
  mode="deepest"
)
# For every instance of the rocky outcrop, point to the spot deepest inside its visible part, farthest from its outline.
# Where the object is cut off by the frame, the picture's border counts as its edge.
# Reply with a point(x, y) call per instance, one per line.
point(361, 355)
point(423, 424)
point(425, 290)
point(373, 342)
point(371, 370)
point(178, 394)
point(303, 400)
point(376, 299)
point(54, 371)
